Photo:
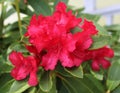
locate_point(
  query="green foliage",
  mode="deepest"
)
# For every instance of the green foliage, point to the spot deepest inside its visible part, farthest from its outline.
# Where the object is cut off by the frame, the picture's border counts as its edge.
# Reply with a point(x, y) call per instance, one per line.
point(62, 80)
point(40, 7)
point(19, 86)
point(113, 79)
point(86, 85)
point(46, 82)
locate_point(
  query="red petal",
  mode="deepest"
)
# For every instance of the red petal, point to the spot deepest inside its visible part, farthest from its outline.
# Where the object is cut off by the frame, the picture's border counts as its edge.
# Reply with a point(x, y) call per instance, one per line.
point(95, 65)
point(19, 73)
point(33, 79)
point(49, 61)
point(66, 60)
point(61, 7)
point(89, 28)
point(105, 63)
point(16, 58)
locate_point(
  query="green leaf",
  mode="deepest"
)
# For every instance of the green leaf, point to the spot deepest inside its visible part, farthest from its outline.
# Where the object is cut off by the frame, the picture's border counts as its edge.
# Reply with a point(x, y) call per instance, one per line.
point(40, 7)
point(61, 70)
point(102, 30)
point(31, 90)
point(99, 41)
point(113, 79)
point(10, 12)
point(19, 86)
point(102, 39)
point(60, 87)
point(57, 1)
point(89, 16)
point(5, 82)
point(46, 82)
point(5, 88)
point(86, 85)
point(97, 75)
point(117, 90)
point(76, 71)
point(5, 68)
point(1, 1)
point(16, 47)
point(63, 90)
point(113, 27)
point(53, 87)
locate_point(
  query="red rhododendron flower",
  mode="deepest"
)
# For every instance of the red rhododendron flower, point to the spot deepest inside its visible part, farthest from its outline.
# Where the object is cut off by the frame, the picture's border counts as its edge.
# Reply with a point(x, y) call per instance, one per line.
point(99, 56)
point(52, 34)
point(24, 66)
point(64, 18)
point(52, 41)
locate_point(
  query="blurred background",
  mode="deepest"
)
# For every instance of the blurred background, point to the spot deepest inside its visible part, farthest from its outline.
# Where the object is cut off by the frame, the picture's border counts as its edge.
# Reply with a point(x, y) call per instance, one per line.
point(109, 9)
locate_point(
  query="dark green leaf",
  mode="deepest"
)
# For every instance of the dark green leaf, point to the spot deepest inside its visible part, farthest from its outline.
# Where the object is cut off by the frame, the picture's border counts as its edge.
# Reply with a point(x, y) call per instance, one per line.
point(5, 88)
point(46, 82)
point(10, 12)
point(98, 75)
point(61, 70)
point(5, 68)
point(5, 82)
point(19, 86)
point(40, 7)
point(76, 71)
point(16, 47)
point(31, 90)
point(113, 79)
point(56, 2)
point(53, 87)
point(86, 85)
point(117, 90)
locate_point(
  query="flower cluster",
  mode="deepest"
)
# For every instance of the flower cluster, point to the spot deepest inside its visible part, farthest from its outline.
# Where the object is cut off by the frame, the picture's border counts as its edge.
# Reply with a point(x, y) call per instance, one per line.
point(53, 41)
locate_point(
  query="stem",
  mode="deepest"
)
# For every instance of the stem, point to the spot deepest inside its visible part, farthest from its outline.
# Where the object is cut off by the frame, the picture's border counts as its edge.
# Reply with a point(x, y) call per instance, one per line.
point(1, 19)
point(108, 91)
point(19, 20)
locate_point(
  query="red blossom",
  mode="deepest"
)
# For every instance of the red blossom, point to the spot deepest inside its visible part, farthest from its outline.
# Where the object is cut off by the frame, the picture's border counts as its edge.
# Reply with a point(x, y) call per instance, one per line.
point(64, 18)
point(24, 66)
point(99, 56)
point(53, 35)
point(52, 42)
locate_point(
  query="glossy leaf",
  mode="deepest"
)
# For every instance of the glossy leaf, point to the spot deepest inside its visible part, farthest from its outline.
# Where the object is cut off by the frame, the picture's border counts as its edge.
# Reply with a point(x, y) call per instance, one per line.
point(61, 70)
point(31, 90)
point(19, 86)
point(113, 79)
point(98, 75)
point(45, 82)
point(86, 85)
point(76, 71)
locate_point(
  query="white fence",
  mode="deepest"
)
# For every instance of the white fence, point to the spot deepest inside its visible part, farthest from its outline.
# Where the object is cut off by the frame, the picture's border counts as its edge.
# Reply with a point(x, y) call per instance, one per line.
point(109, 12)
